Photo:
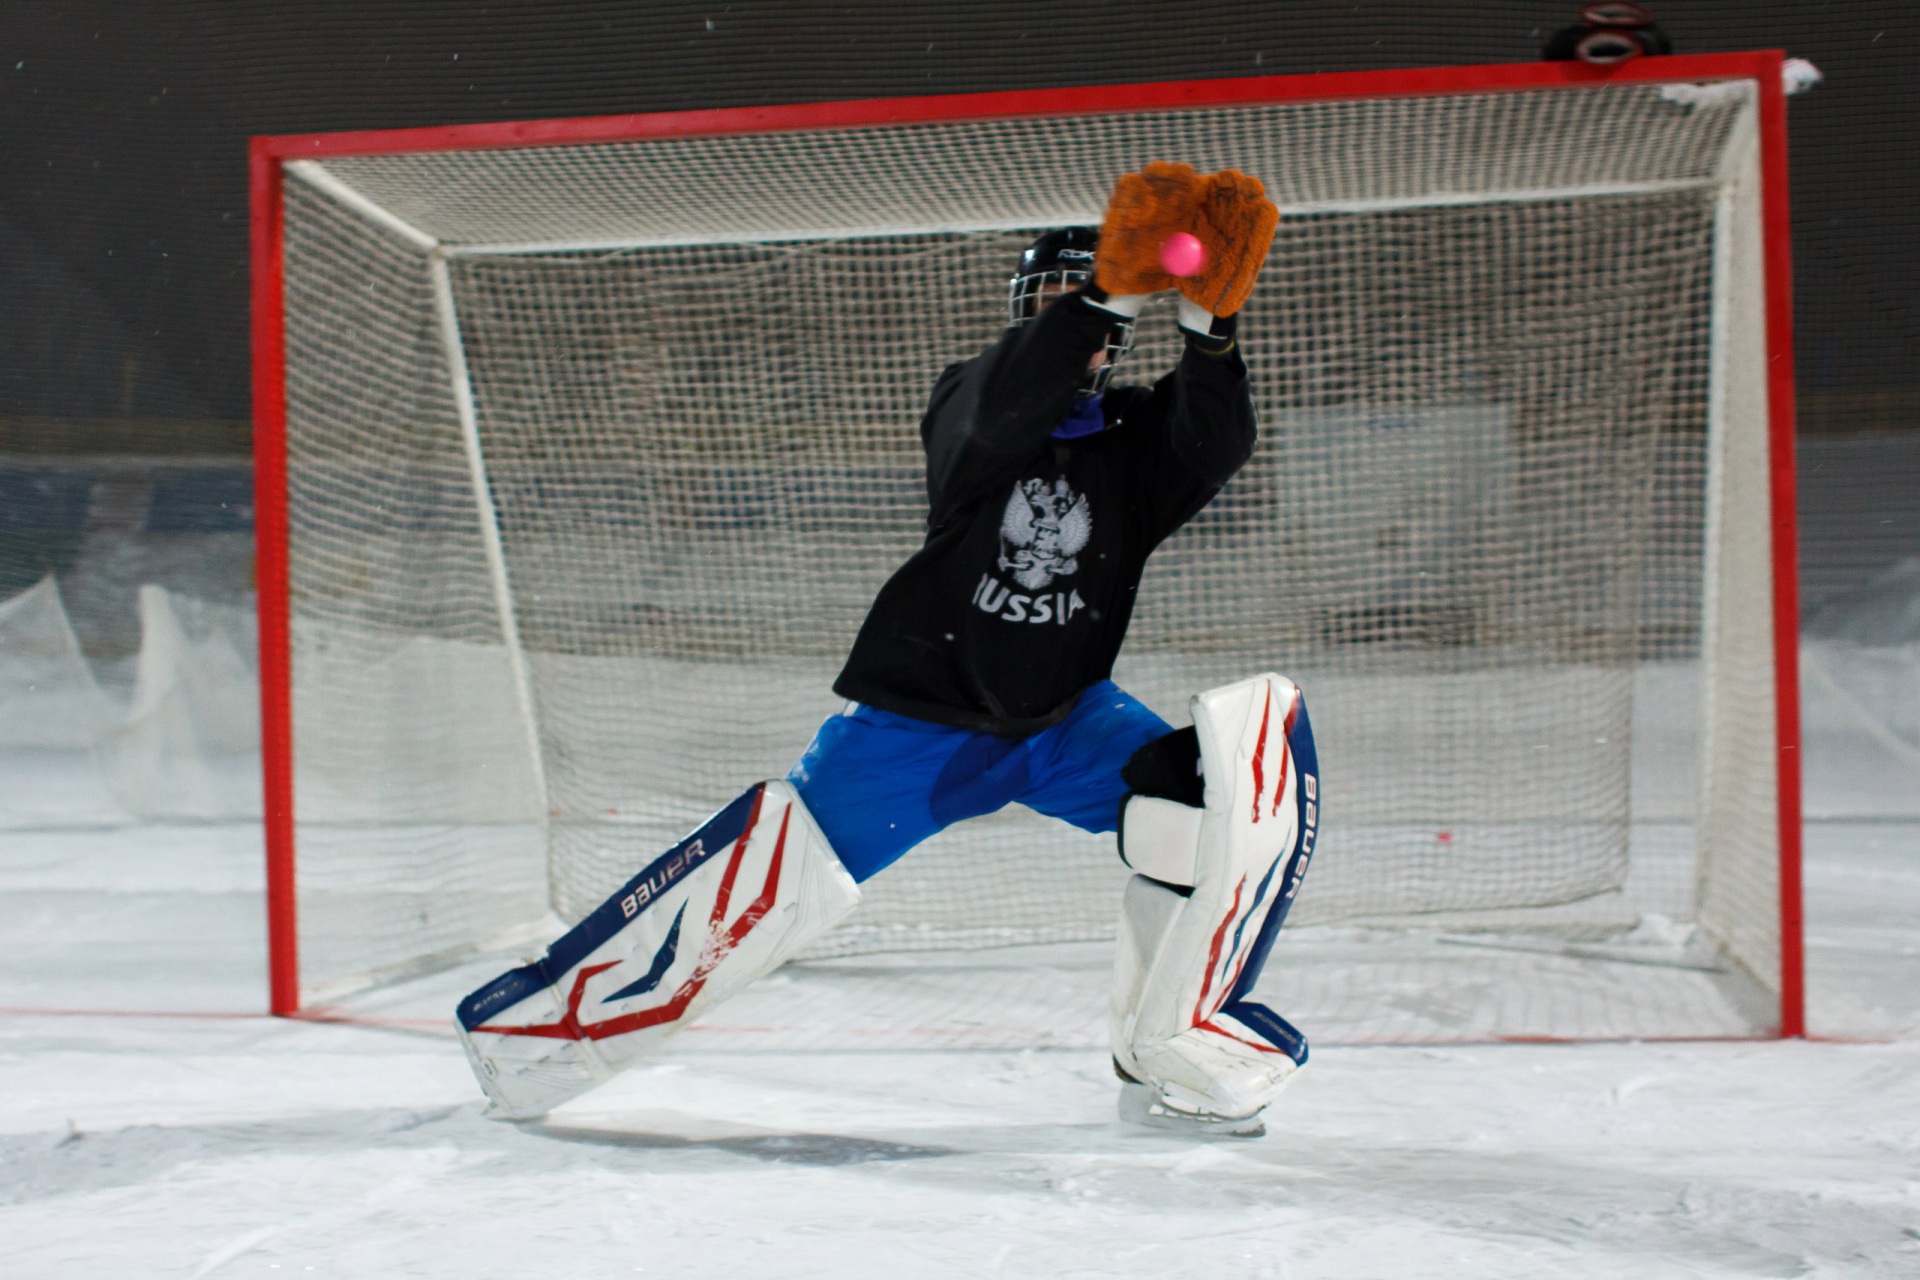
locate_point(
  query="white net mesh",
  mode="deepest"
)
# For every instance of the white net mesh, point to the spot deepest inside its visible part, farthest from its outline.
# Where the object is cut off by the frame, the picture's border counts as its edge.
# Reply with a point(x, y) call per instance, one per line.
point(1475, 528)
point(418, 831)
point(1738, 875)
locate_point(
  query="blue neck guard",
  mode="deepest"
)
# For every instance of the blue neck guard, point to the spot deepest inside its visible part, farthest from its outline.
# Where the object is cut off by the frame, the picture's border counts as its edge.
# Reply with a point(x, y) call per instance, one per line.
point(1083, 419)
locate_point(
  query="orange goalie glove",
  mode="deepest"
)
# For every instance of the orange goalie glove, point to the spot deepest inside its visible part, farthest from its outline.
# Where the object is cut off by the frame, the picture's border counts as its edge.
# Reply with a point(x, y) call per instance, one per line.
point(1235, 223)
point(1227, 211)
point(1144, 209)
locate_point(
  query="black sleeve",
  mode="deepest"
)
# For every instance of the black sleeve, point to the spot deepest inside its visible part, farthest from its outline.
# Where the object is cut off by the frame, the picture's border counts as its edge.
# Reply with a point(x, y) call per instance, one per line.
point(988, 415)
point(1191, 434)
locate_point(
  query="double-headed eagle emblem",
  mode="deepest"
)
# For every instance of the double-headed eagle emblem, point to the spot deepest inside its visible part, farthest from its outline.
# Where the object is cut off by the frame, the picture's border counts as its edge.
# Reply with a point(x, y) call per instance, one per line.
point(1044, 528)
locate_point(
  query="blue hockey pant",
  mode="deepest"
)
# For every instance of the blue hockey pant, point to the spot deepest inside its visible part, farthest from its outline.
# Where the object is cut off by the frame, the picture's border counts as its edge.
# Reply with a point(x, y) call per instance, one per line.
point(879, 783)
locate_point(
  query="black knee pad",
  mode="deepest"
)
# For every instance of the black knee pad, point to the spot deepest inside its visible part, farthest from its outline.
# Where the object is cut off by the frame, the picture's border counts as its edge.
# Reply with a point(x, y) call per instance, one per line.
point(1168, 768)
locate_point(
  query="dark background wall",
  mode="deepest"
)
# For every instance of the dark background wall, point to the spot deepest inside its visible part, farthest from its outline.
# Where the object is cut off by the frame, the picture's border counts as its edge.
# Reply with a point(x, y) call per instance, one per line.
point(123, 214)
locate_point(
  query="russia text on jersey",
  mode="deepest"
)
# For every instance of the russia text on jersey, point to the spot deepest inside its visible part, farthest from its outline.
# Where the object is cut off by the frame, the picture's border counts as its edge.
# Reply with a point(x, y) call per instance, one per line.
point(995, 597)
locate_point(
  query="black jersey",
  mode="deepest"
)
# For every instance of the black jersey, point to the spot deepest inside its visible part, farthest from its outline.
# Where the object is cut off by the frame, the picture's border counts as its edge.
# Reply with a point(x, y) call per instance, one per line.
point(1021, 595)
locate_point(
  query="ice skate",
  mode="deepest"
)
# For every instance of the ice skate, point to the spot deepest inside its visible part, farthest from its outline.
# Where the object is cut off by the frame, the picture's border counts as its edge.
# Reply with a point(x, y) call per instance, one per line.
point(1155, 1108)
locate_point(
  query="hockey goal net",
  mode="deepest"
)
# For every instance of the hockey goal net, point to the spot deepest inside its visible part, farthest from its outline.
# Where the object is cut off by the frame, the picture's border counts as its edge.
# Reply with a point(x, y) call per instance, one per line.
point(584, 446)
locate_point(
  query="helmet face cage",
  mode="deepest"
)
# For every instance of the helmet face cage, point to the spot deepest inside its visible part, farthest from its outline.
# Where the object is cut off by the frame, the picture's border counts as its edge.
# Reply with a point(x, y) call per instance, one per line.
point(1044, 274)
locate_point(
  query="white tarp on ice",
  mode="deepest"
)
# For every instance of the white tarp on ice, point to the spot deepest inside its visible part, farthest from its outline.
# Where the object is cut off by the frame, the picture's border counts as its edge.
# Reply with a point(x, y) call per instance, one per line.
point(186, 744)
point(185, 748)
point(48, 698)
point(1860, 699)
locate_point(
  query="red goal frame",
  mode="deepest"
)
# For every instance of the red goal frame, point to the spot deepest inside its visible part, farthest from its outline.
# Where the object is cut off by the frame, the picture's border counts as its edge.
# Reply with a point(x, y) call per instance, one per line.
point(267, 155)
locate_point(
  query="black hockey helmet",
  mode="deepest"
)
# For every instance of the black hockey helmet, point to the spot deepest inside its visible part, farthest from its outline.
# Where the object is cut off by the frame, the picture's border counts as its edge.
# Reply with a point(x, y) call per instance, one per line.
point(1056, 262)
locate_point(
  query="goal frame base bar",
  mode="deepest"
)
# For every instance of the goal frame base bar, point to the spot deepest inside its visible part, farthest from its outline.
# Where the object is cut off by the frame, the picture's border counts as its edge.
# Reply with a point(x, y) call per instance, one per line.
point(269, 154)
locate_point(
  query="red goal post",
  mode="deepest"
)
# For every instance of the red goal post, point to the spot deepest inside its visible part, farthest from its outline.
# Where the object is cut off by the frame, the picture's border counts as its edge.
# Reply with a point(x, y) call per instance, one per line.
point(270, 156)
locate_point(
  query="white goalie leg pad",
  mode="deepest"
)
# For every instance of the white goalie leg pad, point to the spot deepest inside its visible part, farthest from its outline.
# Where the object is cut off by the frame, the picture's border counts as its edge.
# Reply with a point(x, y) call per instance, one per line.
point(1147, 913)
point(1180, 1023)
point(731, 902)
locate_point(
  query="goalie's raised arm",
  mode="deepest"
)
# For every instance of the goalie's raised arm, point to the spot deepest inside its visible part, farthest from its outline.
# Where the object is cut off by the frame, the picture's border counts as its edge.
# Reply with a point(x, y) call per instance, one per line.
point(1071, 308)
point(987, 415)
point(1197, 427)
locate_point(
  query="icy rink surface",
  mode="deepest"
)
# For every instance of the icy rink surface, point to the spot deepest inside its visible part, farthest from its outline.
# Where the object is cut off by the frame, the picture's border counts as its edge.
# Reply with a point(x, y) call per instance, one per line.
point(230, 1144)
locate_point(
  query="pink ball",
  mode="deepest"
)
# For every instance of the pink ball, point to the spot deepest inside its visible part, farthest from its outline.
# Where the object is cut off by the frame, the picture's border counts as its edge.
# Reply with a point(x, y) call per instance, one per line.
point(1183, 255)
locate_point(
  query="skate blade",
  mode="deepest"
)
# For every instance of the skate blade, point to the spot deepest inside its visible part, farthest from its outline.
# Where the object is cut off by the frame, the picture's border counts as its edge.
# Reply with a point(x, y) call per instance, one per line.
point(1141, 1105)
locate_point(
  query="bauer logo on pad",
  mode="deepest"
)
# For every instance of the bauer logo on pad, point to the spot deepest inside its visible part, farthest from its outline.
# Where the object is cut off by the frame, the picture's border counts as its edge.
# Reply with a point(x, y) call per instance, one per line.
point(720, 832)
point(756, 883)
